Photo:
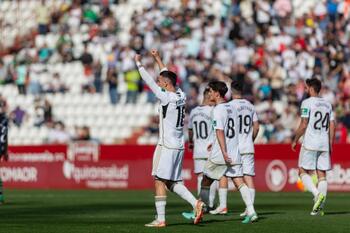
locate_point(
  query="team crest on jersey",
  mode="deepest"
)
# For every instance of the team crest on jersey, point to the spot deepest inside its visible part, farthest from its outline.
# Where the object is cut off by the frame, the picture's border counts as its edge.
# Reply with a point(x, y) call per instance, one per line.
point(214, 123)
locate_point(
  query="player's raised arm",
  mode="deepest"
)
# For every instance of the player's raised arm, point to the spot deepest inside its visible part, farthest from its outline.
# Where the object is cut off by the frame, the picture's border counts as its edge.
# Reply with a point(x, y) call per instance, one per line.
point(161, 95)
point(158, 60)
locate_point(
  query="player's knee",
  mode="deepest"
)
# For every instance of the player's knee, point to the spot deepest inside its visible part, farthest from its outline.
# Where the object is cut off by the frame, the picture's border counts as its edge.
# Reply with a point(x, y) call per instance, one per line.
point(238, 182)
point(323, 178)
point(302, 172)
point(206, 181)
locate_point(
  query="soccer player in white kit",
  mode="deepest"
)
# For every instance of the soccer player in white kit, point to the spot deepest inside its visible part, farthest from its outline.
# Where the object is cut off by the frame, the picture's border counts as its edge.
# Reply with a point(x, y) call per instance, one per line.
point(225, 159)
point(200, 133)
point(168, 155)
point(318, 127)
point(200, 139)
point(248, 129)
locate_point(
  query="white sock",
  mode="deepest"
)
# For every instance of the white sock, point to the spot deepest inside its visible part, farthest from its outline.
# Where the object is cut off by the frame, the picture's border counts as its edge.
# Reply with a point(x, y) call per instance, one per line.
point(212, 193)
point(322, 186)
point(223, 197)
point(183, 192)
point(199, 183)
point(252, 194)
point(246, 196)
point(309, 185)
point(160, 207)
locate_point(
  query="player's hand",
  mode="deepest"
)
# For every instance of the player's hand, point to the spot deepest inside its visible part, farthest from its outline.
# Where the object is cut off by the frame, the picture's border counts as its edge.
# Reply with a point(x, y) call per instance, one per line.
point(294, 145)
point(155, 53)
point(137, 58)
point(227, 159)
point(209, 147)
point(190, 145)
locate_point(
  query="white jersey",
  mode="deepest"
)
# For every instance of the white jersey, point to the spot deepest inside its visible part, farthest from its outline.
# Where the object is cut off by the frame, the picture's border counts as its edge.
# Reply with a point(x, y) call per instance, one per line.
point(225, 118)
point(201, 124)
point(171, 113)
point(246, 116)
point(319, 112)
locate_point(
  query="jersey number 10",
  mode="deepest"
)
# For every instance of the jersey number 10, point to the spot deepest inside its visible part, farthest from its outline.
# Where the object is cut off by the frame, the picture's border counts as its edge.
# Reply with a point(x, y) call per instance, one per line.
point(201, 129)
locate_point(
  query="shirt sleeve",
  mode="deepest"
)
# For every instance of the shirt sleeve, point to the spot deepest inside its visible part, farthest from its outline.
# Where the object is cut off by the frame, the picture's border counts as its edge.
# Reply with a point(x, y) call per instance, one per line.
point(305, 110)
point(160, 94)
point(219, 117)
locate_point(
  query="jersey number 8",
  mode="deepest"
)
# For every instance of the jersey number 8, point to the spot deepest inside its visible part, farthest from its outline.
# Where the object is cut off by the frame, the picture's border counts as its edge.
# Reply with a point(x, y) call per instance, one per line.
point(230, 133)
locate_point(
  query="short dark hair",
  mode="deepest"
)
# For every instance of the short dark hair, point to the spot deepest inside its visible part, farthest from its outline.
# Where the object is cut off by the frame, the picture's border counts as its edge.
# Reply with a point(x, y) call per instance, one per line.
point(314, 83)
point(169, 75)
point(206, 91)
point(218, 86)
point(237, 86)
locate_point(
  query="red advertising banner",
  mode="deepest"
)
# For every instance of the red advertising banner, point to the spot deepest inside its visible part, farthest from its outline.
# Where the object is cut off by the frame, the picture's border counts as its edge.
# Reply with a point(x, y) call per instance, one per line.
point(91, 166)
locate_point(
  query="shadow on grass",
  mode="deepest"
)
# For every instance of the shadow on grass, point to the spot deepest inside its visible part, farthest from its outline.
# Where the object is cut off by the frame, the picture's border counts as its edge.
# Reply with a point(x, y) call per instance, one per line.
point(203, 223)
point(269, 213)
point(71, 209)
point(337, 213)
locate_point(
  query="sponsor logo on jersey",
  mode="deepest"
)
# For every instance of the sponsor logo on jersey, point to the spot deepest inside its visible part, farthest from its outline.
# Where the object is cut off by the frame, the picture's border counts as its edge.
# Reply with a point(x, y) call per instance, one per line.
point(304, 111)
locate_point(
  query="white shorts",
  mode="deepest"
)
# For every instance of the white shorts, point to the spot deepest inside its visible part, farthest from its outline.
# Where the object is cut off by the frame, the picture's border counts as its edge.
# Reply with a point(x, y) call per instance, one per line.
point(234, 171)
point(199, 165)
point(314, 160)
point(167, 163)
point(214, 171)
point(248, 164)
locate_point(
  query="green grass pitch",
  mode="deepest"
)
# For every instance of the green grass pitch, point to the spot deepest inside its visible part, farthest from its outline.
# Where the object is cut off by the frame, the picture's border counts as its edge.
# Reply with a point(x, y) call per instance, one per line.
point(127, 211)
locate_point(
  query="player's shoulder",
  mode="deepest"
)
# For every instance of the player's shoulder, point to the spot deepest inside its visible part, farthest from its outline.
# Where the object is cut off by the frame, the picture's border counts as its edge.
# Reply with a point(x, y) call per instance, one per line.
point(179, 96)
point(242, 104)
point(195, 109)
point(325, 103)
point(221, 106)
point(307, 101)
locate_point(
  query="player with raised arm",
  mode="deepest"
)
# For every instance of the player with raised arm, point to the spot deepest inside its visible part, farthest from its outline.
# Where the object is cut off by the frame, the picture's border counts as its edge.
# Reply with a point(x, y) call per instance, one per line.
point(168, 155)
point(3, 140)
point(200, 135)
point(248, 128)
point(318, 127)
point(225, 159)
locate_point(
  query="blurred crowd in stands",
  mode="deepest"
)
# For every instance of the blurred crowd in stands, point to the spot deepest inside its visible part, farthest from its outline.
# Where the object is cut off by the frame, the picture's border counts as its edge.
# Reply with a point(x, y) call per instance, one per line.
point(262, 43)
